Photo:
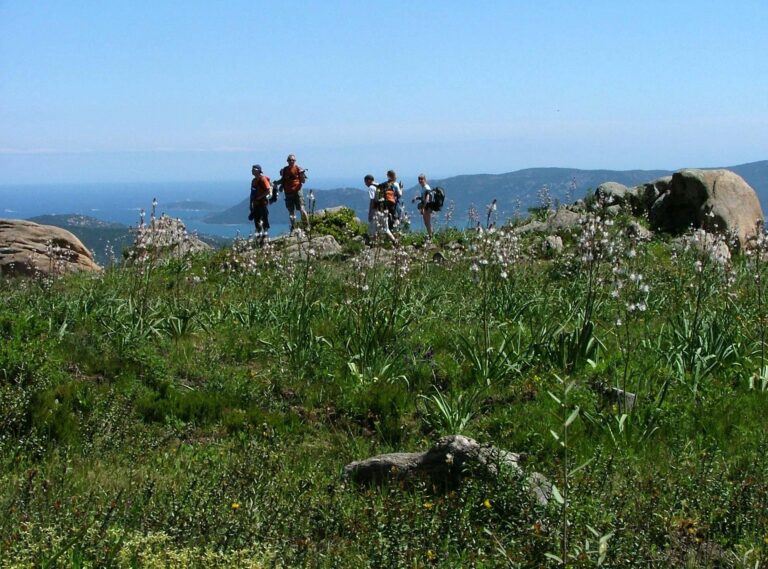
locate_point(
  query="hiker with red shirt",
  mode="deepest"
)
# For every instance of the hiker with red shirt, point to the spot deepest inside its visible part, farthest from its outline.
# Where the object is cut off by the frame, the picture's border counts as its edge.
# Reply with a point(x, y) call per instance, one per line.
point(292, 178)
point(261, 188)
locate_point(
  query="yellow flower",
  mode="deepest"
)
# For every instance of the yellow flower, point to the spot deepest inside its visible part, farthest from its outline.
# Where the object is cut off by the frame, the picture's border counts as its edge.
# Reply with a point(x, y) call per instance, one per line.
point(487, 503)
point(235, 505)
point(431, 555)
point(428, 505)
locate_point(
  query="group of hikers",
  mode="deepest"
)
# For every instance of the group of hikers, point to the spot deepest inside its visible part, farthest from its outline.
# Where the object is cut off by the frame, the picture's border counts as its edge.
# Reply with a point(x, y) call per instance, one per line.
point(385, 208)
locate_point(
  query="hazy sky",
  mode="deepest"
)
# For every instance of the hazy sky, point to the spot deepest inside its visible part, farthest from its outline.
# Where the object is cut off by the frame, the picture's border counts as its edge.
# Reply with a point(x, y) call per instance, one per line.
point(200, 90)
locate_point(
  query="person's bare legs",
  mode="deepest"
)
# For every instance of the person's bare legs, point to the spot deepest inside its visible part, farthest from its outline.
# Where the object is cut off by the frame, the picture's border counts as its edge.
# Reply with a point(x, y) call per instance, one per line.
point(426, 215)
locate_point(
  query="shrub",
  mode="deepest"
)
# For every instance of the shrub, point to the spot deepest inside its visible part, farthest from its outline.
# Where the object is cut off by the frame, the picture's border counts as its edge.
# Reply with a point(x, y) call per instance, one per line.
point(341, 224)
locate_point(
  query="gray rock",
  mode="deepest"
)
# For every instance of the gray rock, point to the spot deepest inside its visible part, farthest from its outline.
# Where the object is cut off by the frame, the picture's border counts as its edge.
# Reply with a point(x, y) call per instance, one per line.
point(531, 227)
point(450, 460)
point(563, 219)
point(613, 210)
point(372, 256)
point(30, 249)
point(704, 242)
point(623, 399)
point(541, 487)
point(300, 247)
point(162, 239)
point(645, 195)
point(552, 245)
point(612, 193)
point(637, 231)
point(718, 201)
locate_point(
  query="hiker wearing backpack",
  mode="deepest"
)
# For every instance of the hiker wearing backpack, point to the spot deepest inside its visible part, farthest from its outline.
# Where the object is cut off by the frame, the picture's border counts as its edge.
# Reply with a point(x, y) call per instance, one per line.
point(430, 200)
point(389, 193)
point(425, 204)
point(292, 178)
point(261, 188)
point(378, 221)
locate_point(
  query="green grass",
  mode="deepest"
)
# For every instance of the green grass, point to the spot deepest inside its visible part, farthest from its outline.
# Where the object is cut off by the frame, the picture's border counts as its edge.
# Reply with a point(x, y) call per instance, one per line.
point(200, 413)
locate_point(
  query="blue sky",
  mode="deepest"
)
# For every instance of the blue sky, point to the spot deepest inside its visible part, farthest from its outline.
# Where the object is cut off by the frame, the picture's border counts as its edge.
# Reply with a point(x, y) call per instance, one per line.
point(158, 91)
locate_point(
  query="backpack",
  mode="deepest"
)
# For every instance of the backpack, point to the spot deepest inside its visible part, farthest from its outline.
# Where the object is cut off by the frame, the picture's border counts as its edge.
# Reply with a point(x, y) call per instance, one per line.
point(438, 198)
point(386, 193)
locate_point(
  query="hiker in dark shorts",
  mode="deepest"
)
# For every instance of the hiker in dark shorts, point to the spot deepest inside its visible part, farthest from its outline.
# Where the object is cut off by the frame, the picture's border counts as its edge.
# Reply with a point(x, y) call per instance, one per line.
point(292, 178)
point(390, 193)
point(378, 214)
point(261, 188)
point(425, 204)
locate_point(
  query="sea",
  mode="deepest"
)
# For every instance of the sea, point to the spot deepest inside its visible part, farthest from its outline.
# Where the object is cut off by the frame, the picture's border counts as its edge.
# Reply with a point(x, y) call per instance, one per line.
point(122, 202)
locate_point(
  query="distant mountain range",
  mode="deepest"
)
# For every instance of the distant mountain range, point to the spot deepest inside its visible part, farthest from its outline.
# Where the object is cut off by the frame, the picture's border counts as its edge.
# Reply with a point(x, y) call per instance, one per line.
point(99, 235)
point(515, 192)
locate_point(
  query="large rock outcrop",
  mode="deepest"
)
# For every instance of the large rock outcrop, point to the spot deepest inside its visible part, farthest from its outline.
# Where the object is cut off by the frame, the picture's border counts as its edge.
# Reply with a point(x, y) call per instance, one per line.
point(717, 201)
point(31, 249)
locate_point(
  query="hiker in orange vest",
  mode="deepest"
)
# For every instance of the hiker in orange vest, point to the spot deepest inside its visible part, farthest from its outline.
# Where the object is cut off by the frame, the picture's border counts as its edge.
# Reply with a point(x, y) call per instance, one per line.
point(261, 188)
point(292, 178)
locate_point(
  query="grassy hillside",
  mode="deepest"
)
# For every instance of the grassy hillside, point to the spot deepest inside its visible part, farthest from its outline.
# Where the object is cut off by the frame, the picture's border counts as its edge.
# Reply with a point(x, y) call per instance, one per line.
point(199, 414)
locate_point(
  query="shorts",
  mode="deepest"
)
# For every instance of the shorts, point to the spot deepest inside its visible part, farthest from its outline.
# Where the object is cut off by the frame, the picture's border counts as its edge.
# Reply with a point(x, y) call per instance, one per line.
point(261, 217)
point(391, 210)
point(294, 201)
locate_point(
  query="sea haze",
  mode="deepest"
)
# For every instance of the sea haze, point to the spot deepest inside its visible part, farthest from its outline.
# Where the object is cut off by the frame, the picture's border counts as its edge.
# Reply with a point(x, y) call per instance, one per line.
point(121, 202)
